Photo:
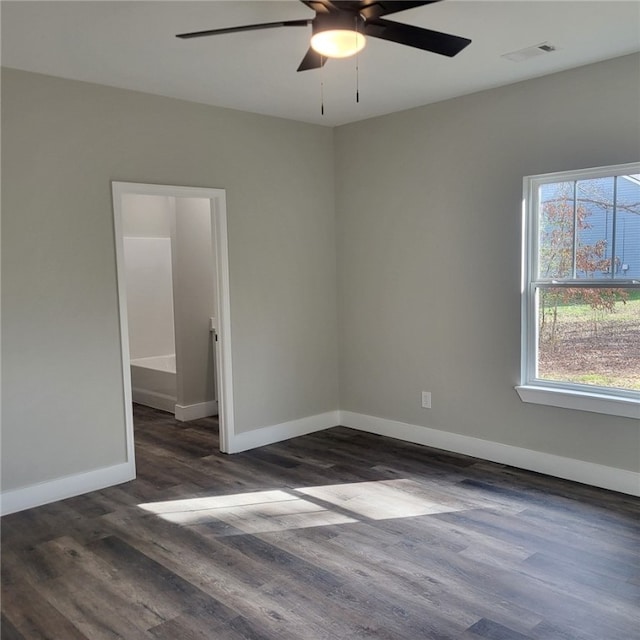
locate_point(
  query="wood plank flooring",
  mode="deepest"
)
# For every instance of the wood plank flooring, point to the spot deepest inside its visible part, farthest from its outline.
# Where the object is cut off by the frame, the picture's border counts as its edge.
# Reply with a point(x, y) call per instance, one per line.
point(336, 535)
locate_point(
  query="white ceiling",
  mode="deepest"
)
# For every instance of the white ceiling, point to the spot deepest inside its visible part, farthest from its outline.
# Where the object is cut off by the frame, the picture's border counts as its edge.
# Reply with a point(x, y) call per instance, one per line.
point(132, 45)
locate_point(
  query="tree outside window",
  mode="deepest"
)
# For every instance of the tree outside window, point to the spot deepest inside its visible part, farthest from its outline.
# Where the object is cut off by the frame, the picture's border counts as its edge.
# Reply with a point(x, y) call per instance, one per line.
point(582, 301)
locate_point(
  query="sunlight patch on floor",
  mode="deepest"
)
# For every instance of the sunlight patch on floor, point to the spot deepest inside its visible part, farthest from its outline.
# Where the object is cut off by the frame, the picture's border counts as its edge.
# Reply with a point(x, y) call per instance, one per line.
point(279, 510)
point(255, 512)
point(384, 499)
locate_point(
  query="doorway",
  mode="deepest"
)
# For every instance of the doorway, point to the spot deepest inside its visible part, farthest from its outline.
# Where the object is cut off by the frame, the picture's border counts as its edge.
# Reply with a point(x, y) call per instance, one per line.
point(152, 246)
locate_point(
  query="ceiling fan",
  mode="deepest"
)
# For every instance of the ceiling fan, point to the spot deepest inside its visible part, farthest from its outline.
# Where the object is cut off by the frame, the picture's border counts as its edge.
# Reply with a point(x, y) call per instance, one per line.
point(340, 27)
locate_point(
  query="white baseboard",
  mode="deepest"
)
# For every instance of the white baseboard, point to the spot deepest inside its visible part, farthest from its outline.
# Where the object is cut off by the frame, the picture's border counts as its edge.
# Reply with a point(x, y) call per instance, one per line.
point(187, 412)
point(589, 473)
point(65, 487)
point(154, 399)
point(284, 431)
point(568, 468)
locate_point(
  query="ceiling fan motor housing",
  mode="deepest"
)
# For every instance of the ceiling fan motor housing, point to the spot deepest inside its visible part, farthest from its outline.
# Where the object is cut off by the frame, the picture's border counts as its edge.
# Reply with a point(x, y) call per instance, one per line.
point(338, 21)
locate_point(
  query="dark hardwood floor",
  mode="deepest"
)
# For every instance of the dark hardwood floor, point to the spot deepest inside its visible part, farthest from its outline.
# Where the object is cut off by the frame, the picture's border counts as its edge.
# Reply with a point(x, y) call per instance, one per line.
point(335, 535)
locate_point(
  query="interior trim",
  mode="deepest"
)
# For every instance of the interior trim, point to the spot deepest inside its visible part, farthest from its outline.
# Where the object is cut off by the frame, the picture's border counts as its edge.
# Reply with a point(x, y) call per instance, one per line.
point(590, 473)
point(580, 400)
point(65, 487)
point(284, 431)
point(153, 399)
point(217, 199)
point(187, 412)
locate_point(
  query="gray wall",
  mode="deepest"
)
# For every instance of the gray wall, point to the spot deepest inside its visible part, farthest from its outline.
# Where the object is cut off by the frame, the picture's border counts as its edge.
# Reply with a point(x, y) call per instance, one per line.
point(428, 209)
point(428, 203)
point(63, 142)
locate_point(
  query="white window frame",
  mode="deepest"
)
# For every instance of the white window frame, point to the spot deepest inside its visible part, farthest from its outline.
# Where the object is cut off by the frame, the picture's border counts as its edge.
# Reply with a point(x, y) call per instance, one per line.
point(568, 395)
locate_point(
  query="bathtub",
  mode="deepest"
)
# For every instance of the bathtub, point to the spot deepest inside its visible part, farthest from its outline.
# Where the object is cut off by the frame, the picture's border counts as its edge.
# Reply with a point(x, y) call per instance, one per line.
point(153, 382)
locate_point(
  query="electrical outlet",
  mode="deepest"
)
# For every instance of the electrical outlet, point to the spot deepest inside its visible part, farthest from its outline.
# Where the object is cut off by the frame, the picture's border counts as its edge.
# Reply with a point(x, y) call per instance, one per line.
point(426, 399)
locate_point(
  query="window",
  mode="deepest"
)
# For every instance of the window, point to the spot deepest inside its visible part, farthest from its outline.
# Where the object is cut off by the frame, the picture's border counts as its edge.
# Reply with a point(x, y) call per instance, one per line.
point(581, 290)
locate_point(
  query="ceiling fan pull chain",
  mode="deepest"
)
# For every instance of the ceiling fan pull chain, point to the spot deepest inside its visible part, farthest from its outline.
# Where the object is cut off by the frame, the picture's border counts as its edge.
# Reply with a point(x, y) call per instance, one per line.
point(321, 87)
point(357, 67)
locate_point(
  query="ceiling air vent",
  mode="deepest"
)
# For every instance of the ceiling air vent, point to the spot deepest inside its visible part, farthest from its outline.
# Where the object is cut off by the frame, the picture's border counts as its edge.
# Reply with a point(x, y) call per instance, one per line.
point(530, 52)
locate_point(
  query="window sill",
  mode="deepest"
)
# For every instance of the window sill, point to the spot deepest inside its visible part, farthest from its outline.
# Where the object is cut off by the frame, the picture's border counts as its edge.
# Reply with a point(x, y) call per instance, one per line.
point(580, 400)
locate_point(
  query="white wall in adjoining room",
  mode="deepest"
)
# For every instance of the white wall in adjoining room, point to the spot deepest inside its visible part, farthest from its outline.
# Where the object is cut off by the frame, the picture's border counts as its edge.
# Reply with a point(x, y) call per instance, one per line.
point(147, 216)
point(149, 297)
point(146, 225)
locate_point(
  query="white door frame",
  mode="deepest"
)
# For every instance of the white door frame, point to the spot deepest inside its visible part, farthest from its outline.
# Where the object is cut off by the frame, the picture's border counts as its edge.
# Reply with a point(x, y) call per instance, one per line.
point(217, 198)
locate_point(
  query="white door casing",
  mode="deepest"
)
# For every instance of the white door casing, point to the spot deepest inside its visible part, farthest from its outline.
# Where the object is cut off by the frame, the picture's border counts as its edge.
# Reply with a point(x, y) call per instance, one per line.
point(217, 198)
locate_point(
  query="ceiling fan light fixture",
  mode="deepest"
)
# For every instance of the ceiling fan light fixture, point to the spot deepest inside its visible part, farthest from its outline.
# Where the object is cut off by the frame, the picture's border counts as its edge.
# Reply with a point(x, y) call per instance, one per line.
point(338, 43)
point(338, 35)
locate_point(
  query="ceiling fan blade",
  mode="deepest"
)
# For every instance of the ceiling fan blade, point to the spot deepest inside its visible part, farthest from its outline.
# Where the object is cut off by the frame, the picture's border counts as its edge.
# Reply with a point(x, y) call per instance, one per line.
point(249, 27)
point(312, 60)
point(321, 6)
point(377, 8)
point(434, 41)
